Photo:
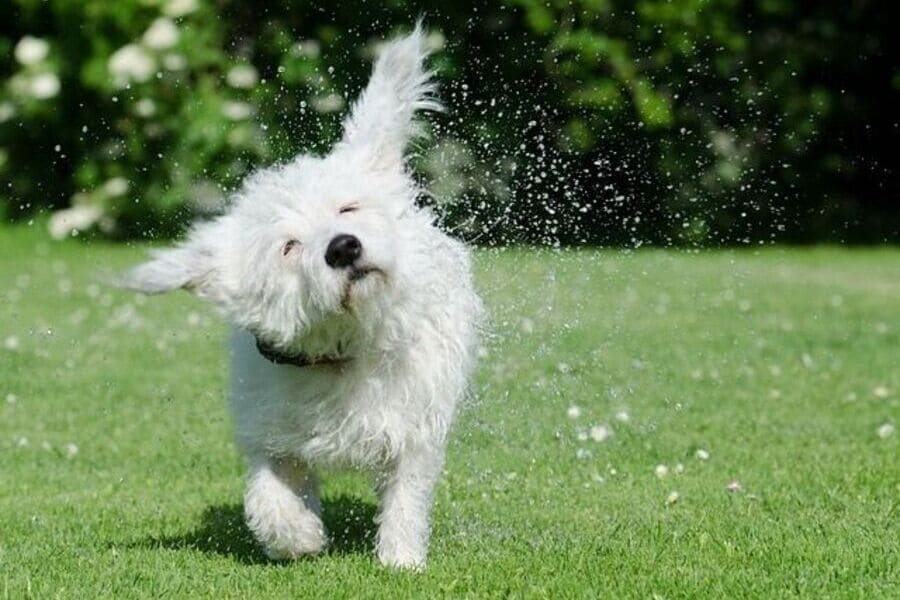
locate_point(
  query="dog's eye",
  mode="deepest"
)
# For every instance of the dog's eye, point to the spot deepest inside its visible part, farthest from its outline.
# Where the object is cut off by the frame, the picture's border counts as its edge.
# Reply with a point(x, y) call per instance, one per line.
point(288, 246)
point(349, 208)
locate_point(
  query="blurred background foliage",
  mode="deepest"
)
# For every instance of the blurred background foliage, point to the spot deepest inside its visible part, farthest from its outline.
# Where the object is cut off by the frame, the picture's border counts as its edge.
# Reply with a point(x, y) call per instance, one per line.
point(671, 122)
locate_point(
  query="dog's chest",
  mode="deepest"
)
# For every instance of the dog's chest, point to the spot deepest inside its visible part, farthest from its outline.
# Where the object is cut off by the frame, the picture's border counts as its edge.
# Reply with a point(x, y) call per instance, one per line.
point(354, 419)
point(322, 414)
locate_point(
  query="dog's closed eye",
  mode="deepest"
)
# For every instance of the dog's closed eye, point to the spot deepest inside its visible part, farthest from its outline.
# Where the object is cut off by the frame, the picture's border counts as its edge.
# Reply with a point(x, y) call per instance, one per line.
point(289, 246)
point(349, 208)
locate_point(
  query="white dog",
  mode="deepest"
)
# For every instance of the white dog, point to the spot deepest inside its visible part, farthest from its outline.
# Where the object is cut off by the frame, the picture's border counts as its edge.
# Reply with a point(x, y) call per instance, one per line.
point(355, 320)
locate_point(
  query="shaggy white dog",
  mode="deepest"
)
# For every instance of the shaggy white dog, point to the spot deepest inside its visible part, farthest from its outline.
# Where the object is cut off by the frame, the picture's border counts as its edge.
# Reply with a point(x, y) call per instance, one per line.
point(355, 320)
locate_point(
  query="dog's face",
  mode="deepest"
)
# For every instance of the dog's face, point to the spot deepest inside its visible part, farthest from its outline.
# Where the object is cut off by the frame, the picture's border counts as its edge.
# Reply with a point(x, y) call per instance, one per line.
point(331, 242)
point(308, 243)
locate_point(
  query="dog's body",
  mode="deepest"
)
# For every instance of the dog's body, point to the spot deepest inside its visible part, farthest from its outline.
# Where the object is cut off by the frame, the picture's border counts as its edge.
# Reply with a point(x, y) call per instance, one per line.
point(356, 320)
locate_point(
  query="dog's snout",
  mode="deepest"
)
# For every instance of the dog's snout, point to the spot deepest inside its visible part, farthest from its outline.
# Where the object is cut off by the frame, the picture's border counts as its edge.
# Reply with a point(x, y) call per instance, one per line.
point(343, 250)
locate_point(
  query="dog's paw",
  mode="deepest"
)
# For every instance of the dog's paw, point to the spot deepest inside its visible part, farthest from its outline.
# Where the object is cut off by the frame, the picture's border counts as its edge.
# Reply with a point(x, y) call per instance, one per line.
point(290, 550)
point(397, 556)
point(290, 545)
point(287, 531)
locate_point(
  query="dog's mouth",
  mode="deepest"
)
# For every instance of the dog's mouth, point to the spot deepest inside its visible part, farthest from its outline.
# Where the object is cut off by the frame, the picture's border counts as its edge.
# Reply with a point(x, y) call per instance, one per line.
point(361, 272)
point(355, 275)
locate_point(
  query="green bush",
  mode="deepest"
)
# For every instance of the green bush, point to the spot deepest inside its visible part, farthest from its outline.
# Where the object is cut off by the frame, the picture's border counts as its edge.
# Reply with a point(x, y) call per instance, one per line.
point(152, 119)
point(575, 121)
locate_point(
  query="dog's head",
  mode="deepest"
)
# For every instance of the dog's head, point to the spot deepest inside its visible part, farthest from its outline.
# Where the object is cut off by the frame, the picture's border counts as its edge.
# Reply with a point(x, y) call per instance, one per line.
point(309, 241)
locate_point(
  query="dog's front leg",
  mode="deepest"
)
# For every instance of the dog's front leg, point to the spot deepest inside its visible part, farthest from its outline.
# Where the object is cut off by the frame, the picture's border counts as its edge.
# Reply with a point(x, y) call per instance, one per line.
point(405, 493)
point(282, 508)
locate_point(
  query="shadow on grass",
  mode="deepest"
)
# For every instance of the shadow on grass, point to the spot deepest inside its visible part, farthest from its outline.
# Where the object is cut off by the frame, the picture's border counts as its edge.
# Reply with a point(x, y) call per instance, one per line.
point(223, 531)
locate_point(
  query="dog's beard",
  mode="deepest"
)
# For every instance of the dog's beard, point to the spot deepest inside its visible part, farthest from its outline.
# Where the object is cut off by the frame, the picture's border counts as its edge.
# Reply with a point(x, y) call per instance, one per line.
point(335, 336)
point(341, 314)
point(361, 285)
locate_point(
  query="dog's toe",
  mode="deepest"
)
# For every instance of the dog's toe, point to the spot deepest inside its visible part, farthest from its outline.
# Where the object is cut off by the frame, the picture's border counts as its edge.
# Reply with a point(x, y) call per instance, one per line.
point(400, 558)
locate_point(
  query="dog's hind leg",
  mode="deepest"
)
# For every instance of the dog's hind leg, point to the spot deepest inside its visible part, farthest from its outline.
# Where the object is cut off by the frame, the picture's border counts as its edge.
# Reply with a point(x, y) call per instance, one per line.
point(406, 492)
point(282, 508)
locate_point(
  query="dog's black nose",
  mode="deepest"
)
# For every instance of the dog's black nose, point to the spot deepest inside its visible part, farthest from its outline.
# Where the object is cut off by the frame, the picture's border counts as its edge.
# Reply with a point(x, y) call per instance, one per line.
point(343, 251)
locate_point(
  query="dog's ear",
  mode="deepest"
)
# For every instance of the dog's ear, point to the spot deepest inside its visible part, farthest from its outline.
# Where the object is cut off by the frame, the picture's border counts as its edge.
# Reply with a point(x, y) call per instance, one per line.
point(382, 120)
point(190, 266)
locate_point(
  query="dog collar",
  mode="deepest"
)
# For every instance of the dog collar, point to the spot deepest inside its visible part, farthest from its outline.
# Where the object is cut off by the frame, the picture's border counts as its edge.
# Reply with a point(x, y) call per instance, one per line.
point(298, 359)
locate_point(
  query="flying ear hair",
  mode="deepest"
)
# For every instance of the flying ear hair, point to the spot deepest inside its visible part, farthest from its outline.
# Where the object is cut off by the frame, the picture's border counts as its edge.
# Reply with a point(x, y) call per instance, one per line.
point(382, 120)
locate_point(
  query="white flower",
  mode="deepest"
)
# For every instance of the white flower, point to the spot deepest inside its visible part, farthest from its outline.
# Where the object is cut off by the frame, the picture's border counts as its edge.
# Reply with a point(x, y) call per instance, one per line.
point(308, 48)
point(734, 486)
point(237, 111)
point(70, 450)
point(174, 62)
point(7, 111)
point(600, 433)
point(77, 218)
point(145, 107)
point(661, 471)
point(162, 34)
point(435, 40)
point(881, 391)
point(622, 416)
point(242, 77)
point(701, 454)
point(672, 498)
point(328, 104)
point(886, 431)
point(11, 343)
point(573, 412)
point(180, 8)
point(31, 50)
point(117, 186)
point(43, 86)
point(131, 63)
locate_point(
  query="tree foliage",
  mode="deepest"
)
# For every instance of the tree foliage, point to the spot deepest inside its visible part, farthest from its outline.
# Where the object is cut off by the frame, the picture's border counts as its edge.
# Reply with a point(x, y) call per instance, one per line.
point(688, 122)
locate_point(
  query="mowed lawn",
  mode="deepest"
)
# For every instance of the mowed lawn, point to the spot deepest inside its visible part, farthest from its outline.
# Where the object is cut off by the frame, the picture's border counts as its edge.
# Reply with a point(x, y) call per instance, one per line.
point(649, 424)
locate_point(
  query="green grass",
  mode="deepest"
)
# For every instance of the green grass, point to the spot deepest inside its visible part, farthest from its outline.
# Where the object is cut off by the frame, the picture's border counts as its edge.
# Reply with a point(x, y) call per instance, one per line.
point(781, 363)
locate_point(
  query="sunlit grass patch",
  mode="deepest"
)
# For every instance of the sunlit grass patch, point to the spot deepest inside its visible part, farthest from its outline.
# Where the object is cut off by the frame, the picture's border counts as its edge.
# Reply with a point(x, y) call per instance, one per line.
point(718, 424)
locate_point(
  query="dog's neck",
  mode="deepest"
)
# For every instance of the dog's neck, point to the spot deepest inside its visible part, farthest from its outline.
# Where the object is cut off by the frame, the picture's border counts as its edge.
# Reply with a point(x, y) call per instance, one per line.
point(297, 359)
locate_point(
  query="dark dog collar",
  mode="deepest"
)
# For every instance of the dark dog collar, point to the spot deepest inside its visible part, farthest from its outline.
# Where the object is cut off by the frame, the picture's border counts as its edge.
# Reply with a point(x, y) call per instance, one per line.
point(298, 359)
